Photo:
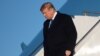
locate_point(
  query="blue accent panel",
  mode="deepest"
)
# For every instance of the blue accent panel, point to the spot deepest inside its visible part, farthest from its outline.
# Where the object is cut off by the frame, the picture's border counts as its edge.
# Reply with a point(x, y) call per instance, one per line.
point(78, 7)
point(32, 47)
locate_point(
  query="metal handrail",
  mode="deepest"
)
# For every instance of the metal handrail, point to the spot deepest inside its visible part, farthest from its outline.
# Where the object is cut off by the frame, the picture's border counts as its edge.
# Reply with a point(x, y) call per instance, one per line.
point(88, 32)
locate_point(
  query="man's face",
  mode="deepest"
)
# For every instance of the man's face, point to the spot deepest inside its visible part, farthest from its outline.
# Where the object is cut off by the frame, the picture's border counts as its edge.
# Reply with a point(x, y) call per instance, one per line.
point(48, 13)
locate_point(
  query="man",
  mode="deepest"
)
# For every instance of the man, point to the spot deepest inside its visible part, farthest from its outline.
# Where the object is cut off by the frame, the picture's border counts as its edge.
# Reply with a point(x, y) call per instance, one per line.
point(59, 32)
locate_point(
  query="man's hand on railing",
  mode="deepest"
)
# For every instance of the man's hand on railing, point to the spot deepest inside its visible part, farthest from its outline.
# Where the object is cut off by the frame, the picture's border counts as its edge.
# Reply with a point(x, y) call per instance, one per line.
point(67, 53)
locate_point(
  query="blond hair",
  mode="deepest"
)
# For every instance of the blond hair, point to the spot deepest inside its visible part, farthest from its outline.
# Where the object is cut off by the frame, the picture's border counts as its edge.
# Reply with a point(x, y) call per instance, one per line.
point(48, 5)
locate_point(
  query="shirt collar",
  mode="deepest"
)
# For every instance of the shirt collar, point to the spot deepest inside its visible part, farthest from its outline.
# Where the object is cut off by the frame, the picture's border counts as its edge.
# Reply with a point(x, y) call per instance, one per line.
point(54, 15)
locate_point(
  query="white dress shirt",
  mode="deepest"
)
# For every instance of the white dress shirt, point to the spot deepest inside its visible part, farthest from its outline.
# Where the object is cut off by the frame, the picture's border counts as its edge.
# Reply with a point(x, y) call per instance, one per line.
point(53, 18)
